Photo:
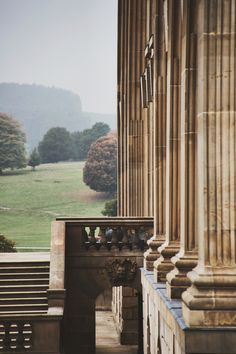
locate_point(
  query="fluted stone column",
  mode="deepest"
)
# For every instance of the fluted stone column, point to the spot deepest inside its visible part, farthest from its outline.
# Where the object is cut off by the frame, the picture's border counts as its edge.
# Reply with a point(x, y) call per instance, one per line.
point(186, 259)
point(159, 126)
point(171, 246)
point(211, 300)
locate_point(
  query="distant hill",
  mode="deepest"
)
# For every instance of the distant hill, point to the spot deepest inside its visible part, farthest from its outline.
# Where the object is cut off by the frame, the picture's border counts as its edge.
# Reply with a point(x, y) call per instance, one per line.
point(40, 108)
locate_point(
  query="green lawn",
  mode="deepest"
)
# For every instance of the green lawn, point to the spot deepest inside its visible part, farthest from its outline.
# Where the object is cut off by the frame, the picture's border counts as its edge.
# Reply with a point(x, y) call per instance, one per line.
point(30, 200)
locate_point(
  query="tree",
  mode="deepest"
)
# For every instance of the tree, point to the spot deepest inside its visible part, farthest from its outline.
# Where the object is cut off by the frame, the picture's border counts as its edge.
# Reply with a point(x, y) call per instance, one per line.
point(55, 146)
point(83, 140)
point(100, 170)
point(34, 159)
point(12, 143)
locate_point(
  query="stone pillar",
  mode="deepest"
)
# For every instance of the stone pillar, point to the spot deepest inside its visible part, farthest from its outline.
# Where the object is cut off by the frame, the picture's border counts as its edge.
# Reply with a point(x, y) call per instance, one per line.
point(159, 127)
point(122, 105)
point(171, 246)
point(211, 300)
point(186, 259)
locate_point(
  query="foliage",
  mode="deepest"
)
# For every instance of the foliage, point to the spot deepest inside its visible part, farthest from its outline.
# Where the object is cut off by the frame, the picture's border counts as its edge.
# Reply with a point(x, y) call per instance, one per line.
point(83, 140)
point(55, 146)
point(34, 159)
point(110, 208)
point(6, 245)
point(12, 143)
point(100, 170)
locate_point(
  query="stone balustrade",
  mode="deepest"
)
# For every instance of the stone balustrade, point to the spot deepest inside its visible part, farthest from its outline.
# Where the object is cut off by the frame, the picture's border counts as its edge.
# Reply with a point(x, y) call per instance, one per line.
point(109, 234)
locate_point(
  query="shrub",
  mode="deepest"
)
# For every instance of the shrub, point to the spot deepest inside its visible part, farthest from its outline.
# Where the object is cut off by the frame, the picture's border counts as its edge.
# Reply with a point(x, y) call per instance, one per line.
point(6, 245)
point(110, 208)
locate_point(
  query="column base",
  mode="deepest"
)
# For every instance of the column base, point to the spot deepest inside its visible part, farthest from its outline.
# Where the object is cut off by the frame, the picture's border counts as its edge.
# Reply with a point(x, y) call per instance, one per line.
point(203, 318)
point(177, 280)
point(152, 254)
point(163, 265)
point(211, 300)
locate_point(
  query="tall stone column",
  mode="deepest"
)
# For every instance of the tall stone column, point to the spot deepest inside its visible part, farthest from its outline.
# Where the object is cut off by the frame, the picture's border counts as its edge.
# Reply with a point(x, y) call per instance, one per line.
point(211, 300)
point(186, 259)
point(171, 246)
point(159, 126)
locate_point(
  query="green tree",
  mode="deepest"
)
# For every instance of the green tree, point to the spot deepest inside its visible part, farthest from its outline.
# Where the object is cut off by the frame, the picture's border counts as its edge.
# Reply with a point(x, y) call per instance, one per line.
point(110, 208)
point(34, 159)
point(12, 143)
point(55, 146)
point(83, 140)
point(100, 170)
point(7, 245)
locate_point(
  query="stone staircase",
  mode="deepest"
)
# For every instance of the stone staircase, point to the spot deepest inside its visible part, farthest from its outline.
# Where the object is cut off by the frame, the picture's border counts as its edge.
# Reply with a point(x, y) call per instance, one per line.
point(23, 287)
point(27, 322)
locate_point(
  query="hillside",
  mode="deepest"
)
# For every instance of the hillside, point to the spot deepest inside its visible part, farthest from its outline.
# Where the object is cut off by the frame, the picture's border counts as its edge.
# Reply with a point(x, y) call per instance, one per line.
point(39, 108)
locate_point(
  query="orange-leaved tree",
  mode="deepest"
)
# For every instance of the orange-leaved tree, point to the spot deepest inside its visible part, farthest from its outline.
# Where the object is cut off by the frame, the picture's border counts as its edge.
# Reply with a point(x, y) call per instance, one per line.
point(100, 170)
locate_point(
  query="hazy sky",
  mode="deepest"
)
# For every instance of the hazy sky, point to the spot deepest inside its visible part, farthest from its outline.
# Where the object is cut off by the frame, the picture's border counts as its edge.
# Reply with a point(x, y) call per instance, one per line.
point(64, 43)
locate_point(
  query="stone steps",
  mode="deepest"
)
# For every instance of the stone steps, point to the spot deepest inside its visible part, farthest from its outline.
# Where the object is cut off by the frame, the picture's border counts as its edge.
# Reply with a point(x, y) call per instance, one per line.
point(23, 287)
point(23, 300)
point(23, 281)
point(22, 294)
point(25, 275)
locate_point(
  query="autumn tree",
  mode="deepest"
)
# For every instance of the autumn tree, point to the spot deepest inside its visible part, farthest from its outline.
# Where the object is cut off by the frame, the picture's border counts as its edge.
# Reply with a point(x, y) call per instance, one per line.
point(12, 143)
point(34, 159)
point(56, 145)
point(100, 170)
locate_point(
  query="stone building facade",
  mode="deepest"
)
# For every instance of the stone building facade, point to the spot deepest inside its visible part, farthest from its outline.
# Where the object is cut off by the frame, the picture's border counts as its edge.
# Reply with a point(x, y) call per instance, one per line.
point(177, 162)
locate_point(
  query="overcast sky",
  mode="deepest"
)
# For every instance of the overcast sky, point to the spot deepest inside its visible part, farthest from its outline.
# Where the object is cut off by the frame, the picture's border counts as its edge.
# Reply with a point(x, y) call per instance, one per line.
point(64, 43)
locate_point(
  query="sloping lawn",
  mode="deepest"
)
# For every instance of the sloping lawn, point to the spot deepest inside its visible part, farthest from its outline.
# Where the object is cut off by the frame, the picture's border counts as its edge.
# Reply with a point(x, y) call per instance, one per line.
point(30, 200)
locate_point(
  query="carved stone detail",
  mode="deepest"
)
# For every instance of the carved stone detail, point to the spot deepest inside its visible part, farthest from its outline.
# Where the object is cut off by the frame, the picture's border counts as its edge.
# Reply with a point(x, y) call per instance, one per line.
point(121, 271)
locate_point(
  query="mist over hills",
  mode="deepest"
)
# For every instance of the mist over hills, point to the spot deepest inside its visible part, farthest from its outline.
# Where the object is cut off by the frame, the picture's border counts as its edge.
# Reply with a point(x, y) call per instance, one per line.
point(40, 108)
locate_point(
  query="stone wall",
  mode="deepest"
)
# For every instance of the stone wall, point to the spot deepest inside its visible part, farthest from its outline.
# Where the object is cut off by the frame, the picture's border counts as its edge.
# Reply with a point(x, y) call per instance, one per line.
point(125, 310)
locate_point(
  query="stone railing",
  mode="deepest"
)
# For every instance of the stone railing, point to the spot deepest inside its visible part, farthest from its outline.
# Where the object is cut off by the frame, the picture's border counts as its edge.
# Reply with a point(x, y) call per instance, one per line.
point(109, 234)
point(15, 336)
point(36, 334)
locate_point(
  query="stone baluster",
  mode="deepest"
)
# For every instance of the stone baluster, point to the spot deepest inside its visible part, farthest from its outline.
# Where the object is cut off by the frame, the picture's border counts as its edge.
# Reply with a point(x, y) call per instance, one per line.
point(125, 240)
point(103, 238)
point(20, 340)
point(7, 338)
point(135, 238)
point(114, 238)
point(84, 234)
point(211, 301)
point(92, 238)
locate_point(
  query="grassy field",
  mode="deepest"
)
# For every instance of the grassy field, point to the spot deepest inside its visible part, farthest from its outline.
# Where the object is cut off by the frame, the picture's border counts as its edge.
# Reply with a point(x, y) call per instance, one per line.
point(30, 200)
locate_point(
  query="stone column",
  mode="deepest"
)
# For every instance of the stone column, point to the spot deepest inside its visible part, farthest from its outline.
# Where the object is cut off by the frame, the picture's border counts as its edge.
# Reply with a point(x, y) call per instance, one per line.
point(171, 246)
point(211, 300)
point(122, 106)
point(159, 127)
point(186, 259)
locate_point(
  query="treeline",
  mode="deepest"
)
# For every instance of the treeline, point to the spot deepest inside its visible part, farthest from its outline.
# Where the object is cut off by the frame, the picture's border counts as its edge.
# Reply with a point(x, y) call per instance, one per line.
point(59, 144)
